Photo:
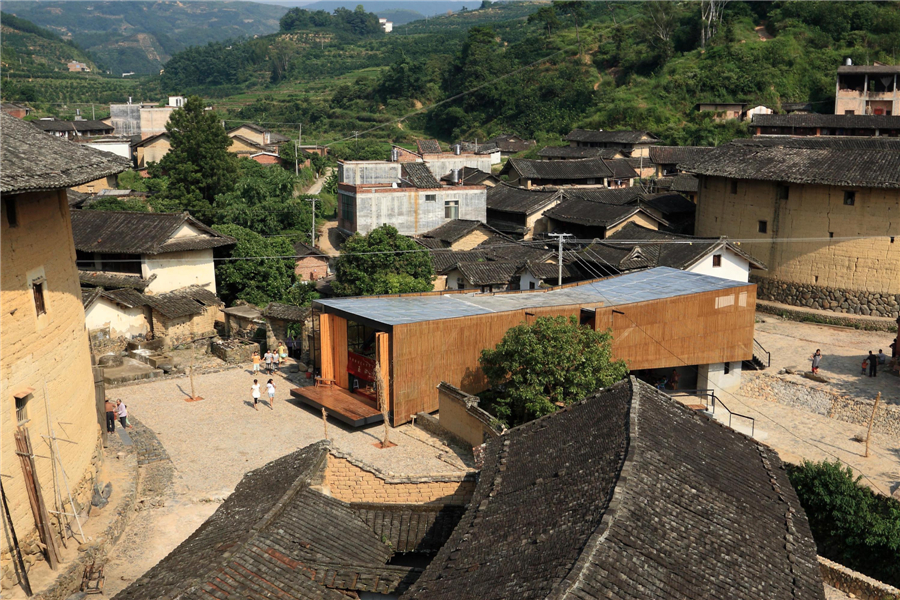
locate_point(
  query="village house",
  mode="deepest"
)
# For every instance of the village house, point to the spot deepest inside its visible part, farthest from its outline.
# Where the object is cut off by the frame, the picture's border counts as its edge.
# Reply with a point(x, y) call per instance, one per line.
point(598, 213)
point(256, 142)
point(841, 194)
point(867, 90)
point(511, 144)
point(802, 125)
point(311, 263)
point(683, 183)
point(667, 158)
point(19, 111)
point(406, 195)
point(490, 149)
point(628, 143)
point(287, 324)
point(578, 152)
point(600, 500)
point(152, 149)
point(460, 234)
point(45, 367)
point(77, 67)
point(120, 146)
point(316, 523)
point(470, 176)
point(519, 212)
point(723, 111)
point(698, 320)
point(163, 260)
point(73, 129)
point(599, 172)
point(799, 108)
point(443, 164)
point(634, 248)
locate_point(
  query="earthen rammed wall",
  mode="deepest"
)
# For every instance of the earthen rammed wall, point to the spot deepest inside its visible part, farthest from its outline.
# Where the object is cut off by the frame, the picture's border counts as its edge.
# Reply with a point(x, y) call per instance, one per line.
point(45, 354)
point(851, 247)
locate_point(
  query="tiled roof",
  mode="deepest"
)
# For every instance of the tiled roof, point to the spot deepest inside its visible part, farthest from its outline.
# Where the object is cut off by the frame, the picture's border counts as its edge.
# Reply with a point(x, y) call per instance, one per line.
point(672, 155)
point(621, 168)
point(286, 312)
point(77, 126)
point(886, 69)
point(488, 273)
point(545, 270)
point(276, 537)
point(570, 152)
point(507, 198)
point(511, 143)
point(248, 142)
point(670, 205)
point(825, 141)
point(566, 170)
point(829, 121)
point(183, 303)
point(429, 147)
point(616, 137)
point(410, 527)
point(617, 196)
point(140, 232)
point(301, 249)
point(685, 182)
point(794, 106)
point(89, 296)
point(31, 160)
point(420, 176)
point(635, 247)
point(453, 230)
point(792, 163)
point(447, 260)
point(582, 212)
point(113, 280)
point(609, 498)
point(126, 297)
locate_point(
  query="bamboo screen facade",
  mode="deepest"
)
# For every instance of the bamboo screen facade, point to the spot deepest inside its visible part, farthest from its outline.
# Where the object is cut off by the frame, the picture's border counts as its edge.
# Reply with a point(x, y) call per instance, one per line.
point(694, 329)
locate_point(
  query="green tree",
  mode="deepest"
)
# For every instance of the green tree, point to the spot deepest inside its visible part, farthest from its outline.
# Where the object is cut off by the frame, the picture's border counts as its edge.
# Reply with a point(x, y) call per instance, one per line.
point(263, 201)
point(547, 16)
point(382, 262)
point(537, 368)
point(259, 272)
point(302, 293)
point(198, 165)
point(850, 524)
point(112, 203)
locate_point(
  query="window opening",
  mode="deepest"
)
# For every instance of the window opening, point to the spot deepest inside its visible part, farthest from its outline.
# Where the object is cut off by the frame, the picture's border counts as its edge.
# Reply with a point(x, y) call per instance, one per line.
point(717, 260)
point(37, 288)
point(12, 215)
point(849, 198)
point(763, 226)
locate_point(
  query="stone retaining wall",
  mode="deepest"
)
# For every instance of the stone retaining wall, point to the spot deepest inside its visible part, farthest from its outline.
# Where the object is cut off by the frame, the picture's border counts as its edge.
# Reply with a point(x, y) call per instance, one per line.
point(797, 313)
point(855, 583)
point(825, 403)
point(836, 300)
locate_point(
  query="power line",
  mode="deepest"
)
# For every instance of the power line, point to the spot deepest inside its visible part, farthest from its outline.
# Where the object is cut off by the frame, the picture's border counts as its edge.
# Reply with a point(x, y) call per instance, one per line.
point(742, 403)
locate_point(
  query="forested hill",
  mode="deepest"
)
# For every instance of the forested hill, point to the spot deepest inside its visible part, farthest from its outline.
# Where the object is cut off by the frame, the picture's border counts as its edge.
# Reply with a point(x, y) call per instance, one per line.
point(141, 36)
point(595, 65)
point(35, 51)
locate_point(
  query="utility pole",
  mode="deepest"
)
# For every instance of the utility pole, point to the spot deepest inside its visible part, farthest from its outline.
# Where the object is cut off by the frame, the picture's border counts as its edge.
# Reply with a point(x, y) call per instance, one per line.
point(93, 117)
point(312, 233)
point(560, 237)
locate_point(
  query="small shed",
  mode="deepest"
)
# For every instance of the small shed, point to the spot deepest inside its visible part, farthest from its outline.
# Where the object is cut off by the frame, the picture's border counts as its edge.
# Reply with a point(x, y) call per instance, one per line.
point(242, 321)
point(287, 323)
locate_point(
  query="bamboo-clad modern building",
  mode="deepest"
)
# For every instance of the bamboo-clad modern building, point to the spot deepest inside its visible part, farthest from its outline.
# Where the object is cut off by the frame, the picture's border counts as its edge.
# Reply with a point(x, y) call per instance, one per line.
point(661, 318)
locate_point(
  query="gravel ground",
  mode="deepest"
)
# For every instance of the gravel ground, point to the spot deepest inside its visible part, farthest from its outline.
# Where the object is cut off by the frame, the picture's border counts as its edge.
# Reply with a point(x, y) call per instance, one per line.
point(214, 442)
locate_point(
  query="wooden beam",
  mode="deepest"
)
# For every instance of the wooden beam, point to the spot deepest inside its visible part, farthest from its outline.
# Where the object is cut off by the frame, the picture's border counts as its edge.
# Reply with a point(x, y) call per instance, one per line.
point(35, 497)
point(383, 358)
point(339, 344)
point(326, 344)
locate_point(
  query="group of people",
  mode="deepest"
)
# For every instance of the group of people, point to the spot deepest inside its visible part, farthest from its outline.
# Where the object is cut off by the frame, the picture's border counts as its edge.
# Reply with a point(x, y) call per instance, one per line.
point(872, 361)
point(869, 364)
point(256, 393)
point(116, 410)
point(271, 360)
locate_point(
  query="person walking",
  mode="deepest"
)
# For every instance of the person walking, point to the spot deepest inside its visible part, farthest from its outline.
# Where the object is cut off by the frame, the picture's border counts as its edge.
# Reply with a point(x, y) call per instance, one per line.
point(270, 389)
point(282, 351)
point(255, 361)
point(110, 416)
point(873, 364)
point(269, 357)
point(276, 360)
point(816, 359)
point(254, 389)
point(122, 411)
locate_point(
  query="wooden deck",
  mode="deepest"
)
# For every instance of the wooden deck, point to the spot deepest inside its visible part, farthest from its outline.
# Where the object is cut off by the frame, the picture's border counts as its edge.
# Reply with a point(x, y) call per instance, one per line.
point(345, 406)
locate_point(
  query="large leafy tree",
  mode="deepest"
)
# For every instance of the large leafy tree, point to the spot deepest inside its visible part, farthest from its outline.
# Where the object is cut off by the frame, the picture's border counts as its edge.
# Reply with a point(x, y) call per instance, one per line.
point(382, 262)
point(258, 272)
point(537, 368)
point(263, 201)
point(198, 165)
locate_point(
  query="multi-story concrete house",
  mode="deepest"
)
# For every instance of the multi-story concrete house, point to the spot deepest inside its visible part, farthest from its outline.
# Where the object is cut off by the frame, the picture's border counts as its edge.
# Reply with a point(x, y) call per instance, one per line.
point(822, 213)
point(406, 195)
point(867, 90)
point(45, 367)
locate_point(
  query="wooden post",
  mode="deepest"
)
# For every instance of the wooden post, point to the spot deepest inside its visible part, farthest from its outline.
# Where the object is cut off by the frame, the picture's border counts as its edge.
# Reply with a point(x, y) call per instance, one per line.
point(193, 394)
point(325, 421)
point(872, 420)
point(382, 404)
point(33, 486)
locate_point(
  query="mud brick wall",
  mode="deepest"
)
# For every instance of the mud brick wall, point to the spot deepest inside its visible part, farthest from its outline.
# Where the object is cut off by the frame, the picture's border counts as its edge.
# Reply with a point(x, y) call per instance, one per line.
point(350, 482)
point(185, 329)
